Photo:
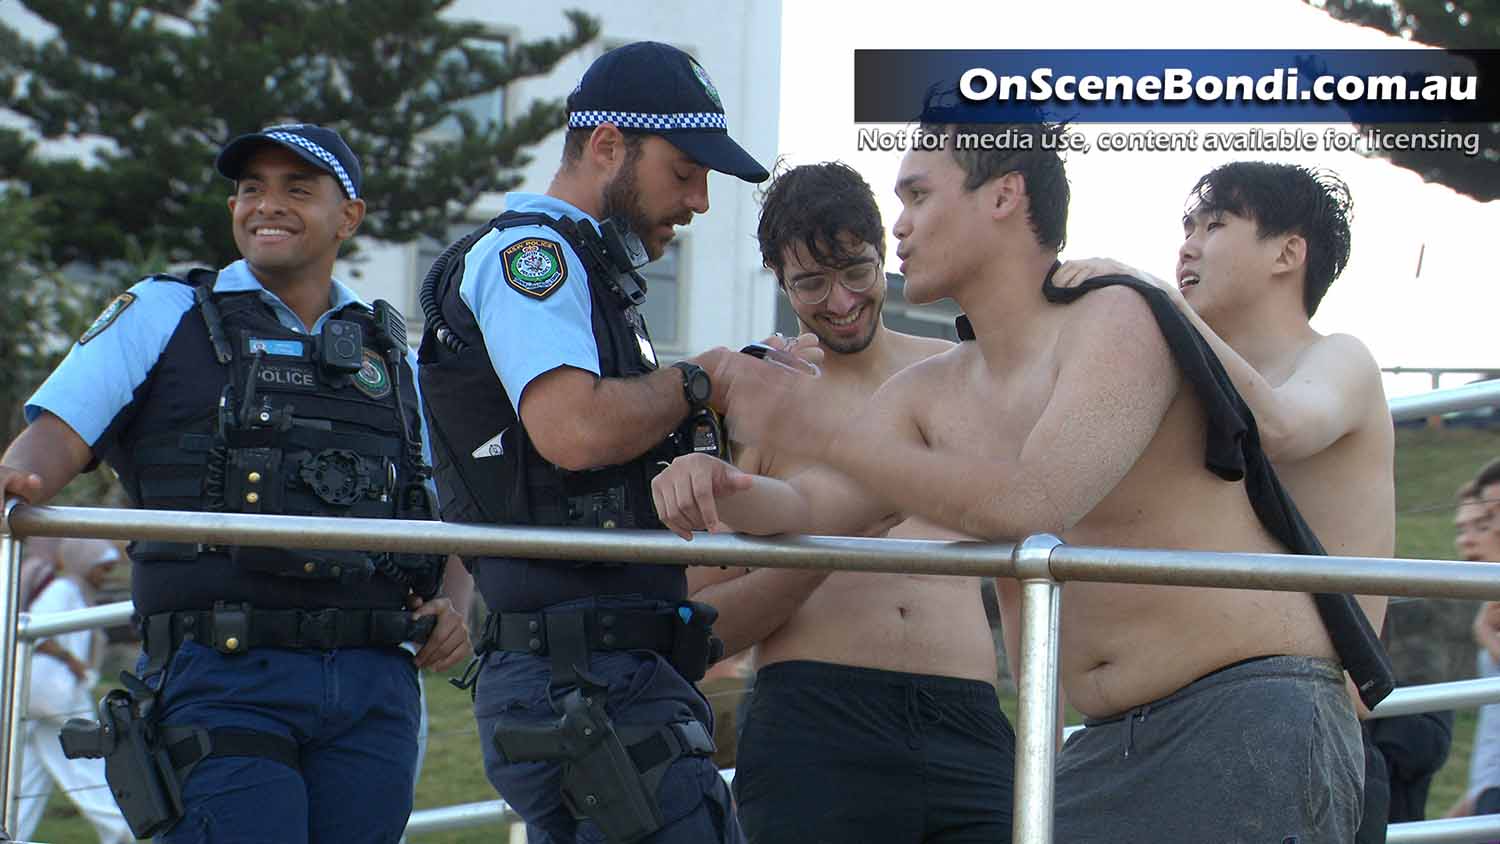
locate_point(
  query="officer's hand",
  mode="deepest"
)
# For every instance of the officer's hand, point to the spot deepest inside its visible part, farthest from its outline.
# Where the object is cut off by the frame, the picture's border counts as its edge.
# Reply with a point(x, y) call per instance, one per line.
point(686, 493)
point(27, 485)
point(449, 643)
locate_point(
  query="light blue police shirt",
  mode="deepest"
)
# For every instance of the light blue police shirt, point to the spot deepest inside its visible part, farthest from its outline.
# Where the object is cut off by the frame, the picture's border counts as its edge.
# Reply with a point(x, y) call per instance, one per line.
point(527, 336)
point(99, 379)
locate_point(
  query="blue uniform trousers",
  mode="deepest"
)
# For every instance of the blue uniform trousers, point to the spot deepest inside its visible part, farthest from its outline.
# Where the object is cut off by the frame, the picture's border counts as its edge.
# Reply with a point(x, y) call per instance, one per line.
point(354, 713)
point(644, 690)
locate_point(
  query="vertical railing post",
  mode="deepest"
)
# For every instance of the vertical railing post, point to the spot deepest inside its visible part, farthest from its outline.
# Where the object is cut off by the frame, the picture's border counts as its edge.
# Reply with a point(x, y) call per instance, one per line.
point(1036, 719)
point(10, 611)
point(20, 708)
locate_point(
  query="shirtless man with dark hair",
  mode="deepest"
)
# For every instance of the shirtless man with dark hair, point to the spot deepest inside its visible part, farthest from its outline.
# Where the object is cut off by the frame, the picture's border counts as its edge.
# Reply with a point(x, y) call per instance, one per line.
point(1262, 242)
point(1073, 420)
point(868, 684)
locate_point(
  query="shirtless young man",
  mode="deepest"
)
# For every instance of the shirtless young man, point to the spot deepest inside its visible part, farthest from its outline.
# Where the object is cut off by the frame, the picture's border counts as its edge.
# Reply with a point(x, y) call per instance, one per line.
point(874, 716)
point(1074, 420)
point(1262, 243)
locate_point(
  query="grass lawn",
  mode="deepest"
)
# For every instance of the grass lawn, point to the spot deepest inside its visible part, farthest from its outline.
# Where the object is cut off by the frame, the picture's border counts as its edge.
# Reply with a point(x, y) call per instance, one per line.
point(1429, 466)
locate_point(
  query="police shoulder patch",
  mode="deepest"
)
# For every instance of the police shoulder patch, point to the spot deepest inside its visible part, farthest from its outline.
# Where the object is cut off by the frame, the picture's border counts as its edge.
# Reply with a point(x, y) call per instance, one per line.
point(107, 316)
point(534, 266)
point(372, 379)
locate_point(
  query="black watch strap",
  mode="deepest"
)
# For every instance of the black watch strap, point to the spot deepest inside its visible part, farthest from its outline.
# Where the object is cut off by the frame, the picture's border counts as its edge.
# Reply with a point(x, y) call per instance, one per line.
point(696, 386)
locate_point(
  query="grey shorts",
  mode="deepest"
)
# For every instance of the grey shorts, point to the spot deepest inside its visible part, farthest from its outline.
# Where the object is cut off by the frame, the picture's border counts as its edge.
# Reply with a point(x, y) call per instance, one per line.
point(1265, 751)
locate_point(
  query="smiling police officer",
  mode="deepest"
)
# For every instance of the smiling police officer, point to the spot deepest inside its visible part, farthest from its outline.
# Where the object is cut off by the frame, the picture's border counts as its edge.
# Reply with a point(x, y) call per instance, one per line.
point(274, 678)
point(547, 407)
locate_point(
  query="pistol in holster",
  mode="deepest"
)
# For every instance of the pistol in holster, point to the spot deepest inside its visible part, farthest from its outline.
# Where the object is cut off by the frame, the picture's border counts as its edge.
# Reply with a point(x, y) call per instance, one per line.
point(137, 765)
point(604, 780)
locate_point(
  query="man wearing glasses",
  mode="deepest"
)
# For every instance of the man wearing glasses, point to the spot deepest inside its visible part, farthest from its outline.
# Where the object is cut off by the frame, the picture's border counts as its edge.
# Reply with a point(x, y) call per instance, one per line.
point(874, 715)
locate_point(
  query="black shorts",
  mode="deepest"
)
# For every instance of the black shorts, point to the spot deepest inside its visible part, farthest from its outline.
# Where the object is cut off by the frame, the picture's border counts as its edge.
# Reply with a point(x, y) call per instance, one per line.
point(833, 754)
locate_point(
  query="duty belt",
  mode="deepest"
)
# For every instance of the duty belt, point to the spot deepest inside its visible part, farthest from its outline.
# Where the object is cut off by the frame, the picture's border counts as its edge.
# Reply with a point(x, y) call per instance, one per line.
point(237, 628)
point(681, 633)
point(605, 630)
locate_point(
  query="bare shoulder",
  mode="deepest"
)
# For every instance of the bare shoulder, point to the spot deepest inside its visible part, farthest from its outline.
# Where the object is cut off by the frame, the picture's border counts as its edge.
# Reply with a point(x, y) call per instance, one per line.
point(940, 362)
point(1341, 362)
point(1347, 348)
point(1115, 322)
point(911, 348)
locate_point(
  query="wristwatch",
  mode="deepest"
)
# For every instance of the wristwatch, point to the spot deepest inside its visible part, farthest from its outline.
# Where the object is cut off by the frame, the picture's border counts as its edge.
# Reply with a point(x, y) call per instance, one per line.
point(696, 386)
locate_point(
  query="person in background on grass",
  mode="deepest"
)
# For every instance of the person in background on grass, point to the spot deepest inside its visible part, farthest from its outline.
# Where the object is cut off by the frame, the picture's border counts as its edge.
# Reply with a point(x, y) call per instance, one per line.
point(64, 671)
point(1478, 540)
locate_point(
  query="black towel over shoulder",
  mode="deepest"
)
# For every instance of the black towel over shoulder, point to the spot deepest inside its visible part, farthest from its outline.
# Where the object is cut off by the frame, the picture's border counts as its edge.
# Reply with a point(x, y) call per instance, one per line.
point(1233, 452)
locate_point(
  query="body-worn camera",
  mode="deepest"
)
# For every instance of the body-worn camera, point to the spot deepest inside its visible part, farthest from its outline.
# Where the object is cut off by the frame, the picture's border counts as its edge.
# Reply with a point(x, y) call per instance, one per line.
point(341, 347)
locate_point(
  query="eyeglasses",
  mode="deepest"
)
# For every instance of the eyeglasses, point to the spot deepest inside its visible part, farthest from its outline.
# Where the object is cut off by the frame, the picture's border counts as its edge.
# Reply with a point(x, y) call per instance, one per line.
point(814, 289)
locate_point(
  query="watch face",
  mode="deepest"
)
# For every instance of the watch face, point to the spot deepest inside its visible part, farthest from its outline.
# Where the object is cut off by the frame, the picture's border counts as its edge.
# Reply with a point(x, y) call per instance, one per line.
point(699, 386)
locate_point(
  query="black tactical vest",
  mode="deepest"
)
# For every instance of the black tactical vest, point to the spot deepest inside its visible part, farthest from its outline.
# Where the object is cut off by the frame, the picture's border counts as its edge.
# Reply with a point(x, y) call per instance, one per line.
point(258, 422)
point(488, 479)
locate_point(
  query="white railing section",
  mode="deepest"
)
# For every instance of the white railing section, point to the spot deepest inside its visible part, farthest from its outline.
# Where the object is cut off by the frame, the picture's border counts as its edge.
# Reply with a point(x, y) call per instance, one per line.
point(1041, 562)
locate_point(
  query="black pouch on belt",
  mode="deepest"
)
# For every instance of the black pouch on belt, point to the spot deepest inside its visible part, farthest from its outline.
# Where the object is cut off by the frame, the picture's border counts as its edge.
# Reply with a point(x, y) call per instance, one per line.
point(694, 645)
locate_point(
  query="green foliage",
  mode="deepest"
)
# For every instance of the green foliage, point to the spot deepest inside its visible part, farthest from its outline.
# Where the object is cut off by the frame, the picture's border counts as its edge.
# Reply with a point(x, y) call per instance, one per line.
point(156, 88)
point(1454, 25)
point(41, 312)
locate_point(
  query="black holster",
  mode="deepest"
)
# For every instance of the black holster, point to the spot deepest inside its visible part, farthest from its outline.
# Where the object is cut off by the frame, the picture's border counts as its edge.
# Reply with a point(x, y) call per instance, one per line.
point(146, 763)
point(608, 779)
point(600, 782)
point(136, 763)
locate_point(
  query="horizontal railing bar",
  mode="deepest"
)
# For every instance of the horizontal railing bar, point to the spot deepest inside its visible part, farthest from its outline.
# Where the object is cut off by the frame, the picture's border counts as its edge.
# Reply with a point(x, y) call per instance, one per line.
point(1435, 697)
point(1281, 572)
point(1285, 572)
point(459, 816)
point(1472, 830)
point(625, 546)
point(32, 626)
point(1446, 400)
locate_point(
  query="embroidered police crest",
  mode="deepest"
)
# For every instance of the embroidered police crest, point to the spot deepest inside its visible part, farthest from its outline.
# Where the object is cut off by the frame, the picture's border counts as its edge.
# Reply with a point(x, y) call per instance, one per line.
point(534, 266)
point(107, 316)
point(372, 378)
point(708, 85)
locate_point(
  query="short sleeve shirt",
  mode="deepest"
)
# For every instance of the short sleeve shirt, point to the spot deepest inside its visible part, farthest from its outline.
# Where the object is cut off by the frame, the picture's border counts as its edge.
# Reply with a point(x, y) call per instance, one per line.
point(532, 323)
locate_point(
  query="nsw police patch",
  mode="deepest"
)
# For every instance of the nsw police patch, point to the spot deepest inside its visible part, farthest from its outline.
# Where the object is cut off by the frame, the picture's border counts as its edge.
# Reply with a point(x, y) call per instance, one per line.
point(534, 266)
point(107, 316)
point(373, 379)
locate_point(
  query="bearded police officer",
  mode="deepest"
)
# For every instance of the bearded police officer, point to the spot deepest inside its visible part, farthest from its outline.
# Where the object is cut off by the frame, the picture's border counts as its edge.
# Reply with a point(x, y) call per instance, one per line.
point(547, 407)
point(274, 680)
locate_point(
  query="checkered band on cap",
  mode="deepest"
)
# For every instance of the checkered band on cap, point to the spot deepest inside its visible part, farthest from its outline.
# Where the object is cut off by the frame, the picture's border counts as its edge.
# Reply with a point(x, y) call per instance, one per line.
point(651, 122)
point(320, 152)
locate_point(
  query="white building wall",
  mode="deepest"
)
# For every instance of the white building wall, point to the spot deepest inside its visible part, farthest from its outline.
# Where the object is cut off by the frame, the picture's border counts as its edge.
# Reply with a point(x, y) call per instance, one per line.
point(726, 297)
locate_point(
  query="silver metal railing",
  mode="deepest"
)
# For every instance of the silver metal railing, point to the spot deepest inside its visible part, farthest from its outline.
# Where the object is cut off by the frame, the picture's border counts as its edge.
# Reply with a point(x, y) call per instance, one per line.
point(1478, 394)
point(1040, 562)
point(1404, 701)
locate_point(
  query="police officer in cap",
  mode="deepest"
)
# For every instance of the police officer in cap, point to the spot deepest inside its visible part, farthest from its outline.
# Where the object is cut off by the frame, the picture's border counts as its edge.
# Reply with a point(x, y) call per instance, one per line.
point(548, 407)
point(280, 682)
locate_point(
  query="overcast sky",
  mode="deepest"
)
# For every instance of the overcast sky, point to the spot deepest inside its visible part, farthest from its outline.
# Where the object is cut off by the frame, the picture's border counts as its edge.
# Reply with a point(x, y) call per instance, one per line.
point(1129, 205)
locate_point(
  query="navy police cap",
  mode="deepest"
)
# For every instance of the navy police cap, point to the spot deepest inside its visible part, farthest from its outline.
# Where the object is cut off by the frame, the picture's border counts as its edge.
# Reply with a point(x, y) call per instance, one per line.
point(652, 87)
point(317, 145)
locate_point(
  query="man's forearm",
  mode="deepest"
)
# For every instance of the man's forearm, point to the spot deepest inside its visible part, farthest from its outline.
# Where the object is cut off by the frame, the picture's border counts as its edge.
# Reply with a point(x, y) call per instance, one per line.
point(51, 450)
point(963, 493)
point(613, 421)
point(1253, 387)
point(757, 604)
point(770, 506)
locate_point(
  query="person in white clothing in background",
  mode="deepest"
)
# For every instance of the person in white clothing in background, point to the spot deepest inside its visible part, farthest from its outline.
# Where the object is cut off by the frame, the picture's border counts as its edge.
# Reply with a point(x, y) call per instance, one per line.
point(64, 671)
